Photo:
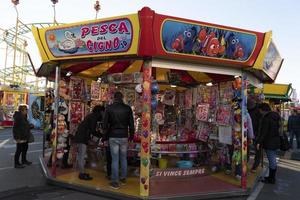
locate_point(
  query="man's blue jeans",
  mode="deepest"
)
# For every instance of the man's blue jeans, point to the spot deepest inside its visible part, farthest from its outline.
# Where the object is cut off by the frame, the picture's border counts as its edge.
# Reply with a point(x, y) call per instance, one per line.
point(118, 149)
point(271, 155)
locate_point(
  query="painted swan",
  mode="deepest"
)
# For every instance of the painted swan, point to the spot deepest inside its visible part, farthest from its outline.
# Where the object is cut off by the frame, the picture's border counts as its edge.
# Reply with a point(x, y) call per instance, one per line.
point(68, 45)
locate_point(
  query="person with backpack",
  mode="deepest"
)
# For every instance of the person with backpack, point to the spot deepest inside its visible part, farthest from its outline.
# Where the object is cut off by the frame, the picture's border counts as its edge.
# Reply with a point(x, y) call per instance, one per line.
point(269, 138)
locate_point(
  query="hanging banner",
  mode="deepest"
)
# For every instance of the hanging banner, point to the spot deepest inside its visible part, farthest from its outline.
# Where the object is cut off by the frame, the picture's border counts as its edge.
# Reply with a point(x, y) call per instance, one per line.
point(272, 61)
point(114, 36)
point(35, 113)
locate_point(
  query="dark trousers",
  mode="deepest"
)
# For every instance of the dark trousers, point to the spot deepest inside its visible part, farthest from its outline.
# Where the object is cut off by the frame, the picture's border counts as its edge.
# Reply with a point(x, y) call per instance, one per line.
point(21, 149)
point(108, 161)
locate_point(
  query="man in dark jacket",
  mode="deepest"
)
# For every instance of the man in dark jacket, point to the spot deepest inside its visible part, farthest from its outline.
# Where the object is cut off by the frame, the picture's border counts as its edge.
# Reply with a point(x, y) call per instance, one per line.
point(118, 119)
point(294, 128)
point(269, 138)
point(21, 133)
point(83, 134)
point(255, 115)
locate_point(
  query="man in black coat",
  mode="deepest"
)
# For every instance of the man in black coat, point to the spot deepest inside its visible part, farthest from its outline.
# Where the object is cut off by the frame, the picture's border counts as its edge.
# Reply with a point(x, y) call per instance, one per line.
point(118, 121)
point(83, 134)
point(294, 128)
point(21, 134)
point(269, 138)
point(255, 115)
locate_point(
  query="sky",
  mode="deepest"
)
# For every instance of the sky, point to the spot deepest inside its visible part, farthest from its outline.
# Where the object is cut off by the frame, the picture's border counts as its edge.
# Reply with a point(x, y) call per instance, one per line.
point(280, 16)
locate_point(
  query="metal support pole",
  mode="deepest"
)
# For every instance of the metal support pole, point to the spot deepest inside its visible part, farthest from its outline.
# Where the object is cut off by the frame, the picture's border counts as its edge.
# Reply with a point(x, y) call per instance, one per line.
point(57, 79)
point(15, 46)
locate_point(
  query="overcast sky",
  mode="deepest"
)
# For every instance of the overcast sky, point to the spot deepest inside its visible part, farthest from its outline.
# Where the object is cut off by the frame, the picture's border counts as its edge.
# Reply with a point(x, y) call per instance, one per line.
point(280, 16)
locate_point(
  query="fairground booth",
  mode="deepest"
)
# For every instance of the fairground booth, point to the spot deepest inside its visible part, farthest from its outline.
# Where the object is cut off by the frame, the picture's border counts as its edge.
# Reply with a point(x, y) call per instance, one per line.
point(186, 82)
point(10, 98)
point(279, 96)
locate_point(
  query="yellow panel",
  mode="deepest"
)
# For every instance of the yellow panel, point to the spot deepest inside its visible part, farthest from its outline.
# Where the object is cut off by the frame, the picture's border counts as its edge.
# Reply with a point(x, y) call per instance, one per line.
point(280, 89)
point(134, 67)
point(262, 54)
point(97, 70)
point(40, 38)
point(168, 87)
point(99, 182)
point(200, 77)
point(161, 74)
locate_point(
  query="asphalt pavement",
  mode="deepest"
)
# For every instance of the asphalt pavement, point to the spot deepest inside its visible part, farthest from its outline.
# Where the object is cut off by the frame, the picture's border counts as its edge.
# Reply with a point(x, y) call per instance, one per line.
point(29, 183)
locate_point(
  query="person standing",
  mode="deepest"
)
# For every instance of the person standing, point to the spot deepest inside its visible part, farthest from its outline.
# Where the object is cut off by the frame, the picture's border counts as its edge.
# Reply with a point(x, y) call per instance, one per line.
point(269, 138)
point(21, 134)
point(83, 134)
point(118, 119)
point(294, 128)
point(255, 118)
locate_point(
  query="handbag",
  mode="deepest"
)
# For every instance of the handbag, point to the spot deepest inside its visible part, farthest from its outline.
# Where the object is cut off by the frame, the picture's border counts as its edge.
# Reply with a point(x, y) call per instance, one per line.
point(284, 142)
point(31, 138)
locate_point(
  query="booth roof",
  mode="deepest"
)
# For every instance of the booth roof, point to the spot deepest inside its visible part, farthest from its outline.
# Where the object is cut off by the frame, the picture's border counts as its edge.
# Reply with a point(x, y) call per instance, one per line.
point(93, 70)
point(277, 91)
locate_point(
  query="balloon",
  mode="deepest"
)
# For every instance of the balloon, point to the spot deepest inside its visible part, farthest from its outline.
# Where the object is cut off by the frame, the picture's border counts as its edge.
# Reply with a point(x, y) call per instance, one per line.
point(154, 87)
point(153, 103)
point(139, 88)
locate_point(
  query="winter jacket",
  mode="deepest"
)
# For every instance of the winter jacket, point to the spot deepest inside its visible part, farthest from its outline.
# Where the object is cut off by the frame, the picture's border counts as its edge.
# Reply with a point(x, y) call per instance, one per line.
point(255, 117)
point(268, 135)
point(118, 118)
point(294, 123)
point(21, 128)
point(87, 128)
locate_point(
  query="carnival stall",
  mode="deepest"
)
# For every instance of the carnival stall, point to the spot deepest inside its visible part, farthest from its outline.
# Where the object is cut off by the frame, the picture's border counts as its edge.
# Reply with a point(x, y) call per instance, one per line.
point(10, 98)
point(186, 82)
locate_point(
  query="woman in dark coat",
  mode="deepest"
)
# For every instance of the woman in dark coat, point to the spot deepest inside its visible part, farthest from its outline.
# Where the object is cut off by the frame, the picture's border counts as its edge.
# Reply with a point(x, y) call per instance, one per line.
point(21, 134)
point(269, 138)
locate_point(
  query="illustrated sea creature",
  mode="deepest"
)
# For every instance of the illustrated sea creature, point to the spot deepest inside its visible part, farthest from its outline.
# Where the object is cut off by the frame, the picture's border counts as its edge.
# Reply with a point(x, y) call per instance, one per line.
point(68, 45)
point(234, 49)
point(210, 44)
point(184, 42)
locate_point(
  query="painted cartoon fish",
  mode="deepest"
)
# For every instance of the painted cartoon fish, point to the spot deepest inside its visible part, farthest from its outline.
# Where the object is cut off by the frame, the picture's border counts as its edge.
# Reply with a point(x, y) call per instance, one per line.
point(184, 42)
point(212, 46)
point(234, 49)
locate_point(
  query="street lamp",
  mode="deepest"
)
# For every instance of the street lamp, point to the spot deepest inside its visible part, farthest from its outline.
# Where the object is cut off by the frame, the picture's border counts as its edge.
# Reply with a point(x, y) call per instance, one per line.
point(97, 7)
point(54, 18)
point(15, 2)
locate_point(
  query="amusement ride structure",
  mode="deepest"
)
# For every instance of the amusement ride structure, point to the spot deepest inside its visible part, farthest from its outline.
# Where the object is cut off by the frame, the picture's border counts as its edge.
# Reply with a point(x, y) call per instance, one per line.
point(17, 68)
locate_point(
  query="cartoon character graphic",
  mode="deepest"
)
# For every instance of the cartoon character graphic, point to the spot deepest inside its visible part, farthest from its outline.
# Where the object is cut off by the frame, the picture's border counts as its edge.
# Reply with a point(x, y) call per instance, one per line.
point(234, 49)
point(184, 42)
point(69, 44)
point(210, 44)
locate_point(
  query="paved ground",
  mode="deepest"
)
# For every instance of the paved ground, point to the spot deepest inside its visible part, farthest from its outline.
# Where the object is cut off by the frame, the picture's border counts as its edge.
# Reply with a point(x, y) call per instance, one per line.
point(29, 184)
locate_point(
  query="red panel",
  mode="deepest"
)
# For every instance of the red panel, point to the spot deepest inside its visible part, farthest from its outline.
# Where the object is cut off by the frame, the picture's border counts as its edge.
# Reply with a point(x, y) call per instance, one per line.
point(160, 52)
point(219, 77)
point(119, 67)
point(146, 43)
point(77, 68)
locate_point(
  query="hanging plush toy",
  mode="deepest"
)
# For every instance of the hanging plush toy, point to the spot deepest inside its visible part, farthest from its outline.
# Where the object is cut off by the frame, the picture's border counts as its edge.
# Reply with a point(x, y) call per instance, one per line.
point(63, 90)
point(62, 136)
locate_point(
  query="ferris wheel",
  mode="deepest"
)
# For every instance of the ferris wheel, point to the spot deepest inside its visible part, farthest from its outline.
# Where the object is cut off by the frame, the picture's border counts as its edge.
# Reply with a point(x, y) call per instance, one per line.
point(18, 68)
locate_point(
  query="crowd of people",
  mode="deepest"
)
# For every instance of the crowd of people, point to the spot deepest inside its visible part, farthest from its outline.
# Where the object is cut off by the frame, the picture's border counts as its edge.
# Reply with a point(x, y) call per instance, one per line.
point(115, 126)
